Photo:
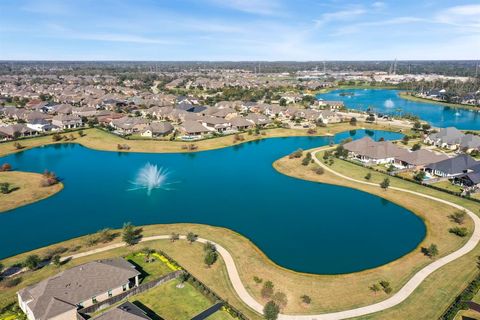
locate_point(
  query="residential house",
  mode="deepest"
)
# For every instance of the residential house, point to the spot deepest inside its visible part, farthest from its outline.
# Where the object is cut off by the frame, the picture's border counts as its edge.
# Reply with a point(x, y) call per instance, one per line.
point(258, 120)
point(448, 138)
point(240, 123)
point(157, 129)
point(452, 167)
point(216, 124)
point(328, 116)
point(369, 151)
point(59, 297)
point(67, 121)
point(331, 104)
point(193, 129)
point(15, 131)
point(129, 125)
point(419, 159)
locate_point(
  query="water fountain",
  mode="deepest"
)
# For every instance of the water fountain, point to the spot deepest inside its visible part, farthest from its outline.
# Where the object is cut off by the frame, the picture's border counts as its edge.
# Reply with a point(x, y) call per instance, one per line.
point(389, 103)
point(150, 177)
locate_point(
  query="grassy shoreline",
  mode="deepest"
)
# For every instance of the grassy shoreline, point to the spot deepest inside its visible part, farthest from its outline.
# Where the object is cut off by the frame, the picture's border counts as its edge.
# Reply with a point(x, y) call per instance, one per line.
point(97, 139)
point(439, 288)
point(29, 190)
point(406, 96)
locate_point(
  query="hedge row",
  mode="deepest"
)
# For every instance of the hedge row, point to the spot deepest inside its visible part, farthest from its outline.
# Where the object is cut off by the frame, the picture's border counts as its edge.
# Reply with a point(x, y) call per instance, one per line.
point(462, 300)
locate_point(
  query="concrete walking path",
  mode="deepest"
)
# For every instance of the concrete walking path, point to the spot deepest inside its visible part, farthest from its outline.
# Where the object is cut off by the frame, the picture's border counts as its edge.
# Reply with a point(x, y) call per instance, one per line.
point(394, 300)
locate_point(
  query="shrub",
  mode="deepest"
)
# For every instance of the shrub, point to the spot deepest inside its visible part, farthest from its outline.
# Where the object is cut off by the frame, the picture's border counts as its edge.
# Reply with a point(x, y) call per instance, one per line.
point(416, 146)
point(267, 289)
point(419, 176)
point(106, 235)
point(32, 262)
point(306, 299)
point(257, 280)
point(368, 176)
point(458, 217)
point(5, 187)
point(280, 299)
point(353, 121)
point(296, 154)
point(461, 232)
point(10, 282)
point(430, 251)
point(319, 170)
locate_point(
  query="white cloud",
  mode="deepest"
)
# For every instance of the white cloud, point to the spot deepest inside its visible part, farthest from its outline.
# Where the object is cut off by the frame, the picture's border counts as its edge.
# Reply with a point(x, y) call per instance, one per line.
point(379, 5)
point(460, 16)
point(341, 15)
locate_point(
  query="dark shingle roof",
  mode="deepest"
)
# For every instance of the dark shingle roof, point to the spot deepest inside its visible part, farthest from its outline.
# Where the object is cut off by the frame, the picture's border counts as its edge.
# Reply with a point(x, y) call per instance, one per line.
point(456, 165)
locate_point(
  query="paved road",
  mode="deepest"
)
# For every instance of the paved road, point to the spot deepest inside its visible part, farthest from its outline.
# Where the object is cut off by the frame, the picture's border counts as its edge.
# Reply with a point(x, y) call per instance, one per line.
point(394, 300)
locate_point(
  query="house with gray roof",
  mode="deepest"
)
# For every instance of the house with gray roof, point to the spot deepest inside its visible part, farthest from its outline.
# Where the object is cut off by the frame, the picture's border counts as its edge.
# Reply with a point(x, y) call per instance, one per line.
point(448, 138)
point(193, 129)
point(453, 167)
point(67, 121)
point(61, 296)
point(15, 131)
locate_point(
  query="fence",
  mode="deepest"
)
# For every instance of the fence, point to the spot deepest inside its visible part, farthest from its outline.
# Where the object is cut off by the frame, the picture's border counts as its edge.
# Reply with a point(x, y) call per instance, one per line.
point(461, 302)
point(141, 288)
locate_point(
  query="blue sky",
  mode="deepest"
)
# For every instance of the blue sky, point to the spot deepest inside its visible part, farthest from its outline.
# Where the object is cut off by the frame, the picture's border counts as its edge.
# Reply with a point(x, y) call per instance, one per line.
point(239, 30)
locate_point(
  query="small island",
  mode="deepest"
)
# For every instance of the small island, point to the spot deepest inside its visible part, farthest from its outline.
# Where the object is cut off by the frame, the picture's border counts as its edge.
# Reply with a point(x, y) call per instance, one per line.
point(22, 188)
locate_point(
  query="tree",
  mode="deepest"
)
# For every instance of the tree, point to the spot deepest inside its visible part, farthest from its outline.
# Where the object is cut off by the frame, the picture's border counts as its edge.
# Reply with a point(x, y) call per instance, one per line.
point(174, 237)
point(267, 289)
point(210, 258)
point(419, 176)
point(458, 217)
point(417, 125)
point(353, 121)
point(56, 260)
point(32, 262)
point(385, 183)
point(129, 234)
point(1, 267)
point(283, 102)
point(405, 140)
point(208, 246)
point(461, 232)
point(431, 251)
point(426, 127)
point(4, 187)
point(6, 167)
point(374, 288)
point(81, 133)
point(257, 280)
point(306, 299)
point(416, 146)
point(370, 118)
point(191, 237)
point(271, 311)
point(368, 176)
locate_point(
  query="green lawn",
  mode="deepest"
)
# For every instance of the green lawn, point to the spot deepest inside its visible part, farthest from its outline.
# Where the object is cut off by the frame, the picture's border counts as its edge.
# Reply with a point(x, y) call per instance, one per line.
point(221, 315)
point(150, 270)
point(170, 302)
point(447, 185)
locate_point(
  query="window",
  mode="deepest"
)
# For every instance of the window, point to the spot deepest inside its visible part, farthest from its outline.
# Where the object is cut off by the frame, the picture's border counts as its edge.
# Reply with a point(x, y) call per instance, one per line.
point(110, 294)
point(94, 299)
point(124, 287)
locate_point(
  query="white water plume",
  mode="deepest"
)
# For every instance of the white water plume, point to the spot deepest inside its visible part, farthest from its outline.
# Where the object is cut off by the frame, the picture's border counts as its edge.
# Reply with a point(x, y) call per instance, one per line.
point(150, 177)
point(389, 103)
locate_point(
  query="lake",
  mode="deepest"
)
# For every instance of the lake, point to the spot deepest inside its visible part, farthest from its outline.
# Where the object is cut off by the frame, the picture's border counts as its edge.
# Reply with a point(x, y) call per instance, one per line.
point(389, 102)
point(300, 225)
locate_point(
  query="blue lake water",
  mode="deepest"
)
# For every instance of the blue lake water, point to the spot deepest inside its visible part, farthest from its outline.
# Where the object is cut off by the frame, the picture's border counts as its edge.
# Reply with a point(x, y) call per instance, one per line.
point(300, 225)
point(389, 102)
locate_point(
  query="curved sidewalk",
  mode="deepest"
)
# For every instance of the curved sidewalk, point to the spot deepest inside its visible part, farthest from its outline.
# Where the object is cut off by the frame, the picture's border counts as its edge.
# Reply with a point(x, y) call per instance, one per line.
point(394, 300)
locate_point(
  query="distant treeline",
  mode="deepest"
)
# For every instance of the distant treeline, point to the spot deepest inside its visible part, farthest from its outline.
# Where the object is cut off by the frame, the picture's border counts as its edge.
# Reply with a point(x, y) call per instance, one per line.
point(449, 68)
